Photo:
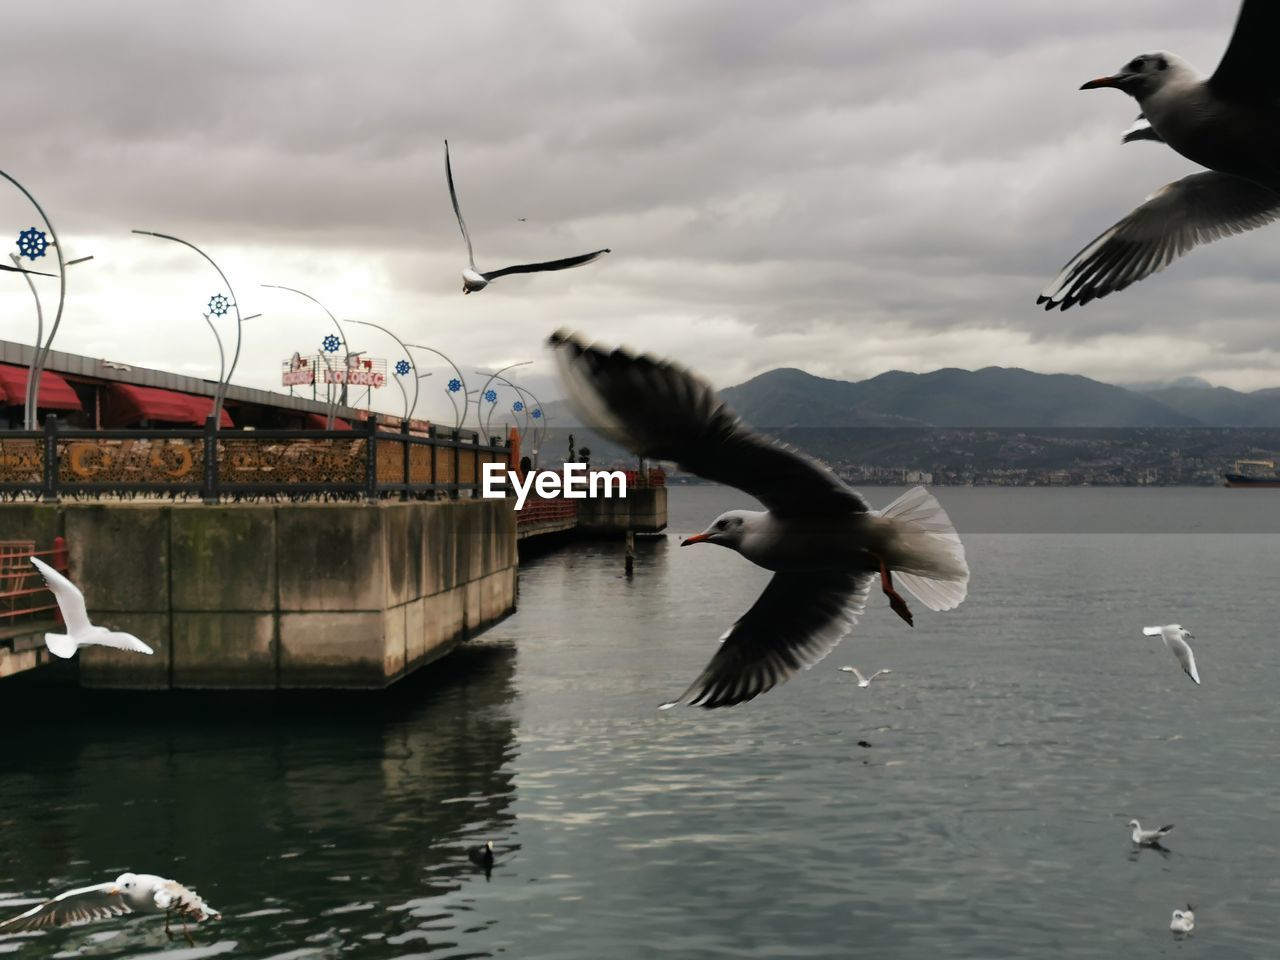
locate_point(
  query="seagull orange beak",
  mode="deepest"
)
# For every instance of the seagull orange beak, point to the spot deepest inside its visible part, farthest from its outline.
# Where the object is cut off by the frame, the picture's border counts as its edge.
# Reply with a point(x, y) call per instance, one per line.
point(695, 538)
point(1113, 81)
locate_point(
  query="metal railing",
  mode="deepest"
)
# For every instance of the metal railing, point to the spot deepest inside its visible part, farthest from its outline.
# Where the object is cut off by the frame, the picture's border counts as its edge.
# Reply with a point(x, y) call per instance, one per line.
point(214, 465)
point(23, 593)
point(546, 511)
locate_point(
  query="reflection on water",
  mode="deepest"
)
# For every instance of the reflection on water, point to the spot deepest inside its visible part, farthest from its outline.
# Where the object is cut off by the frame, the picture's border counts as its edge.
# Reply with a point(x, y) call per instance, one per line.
point(308, 820)
point(1011, 745)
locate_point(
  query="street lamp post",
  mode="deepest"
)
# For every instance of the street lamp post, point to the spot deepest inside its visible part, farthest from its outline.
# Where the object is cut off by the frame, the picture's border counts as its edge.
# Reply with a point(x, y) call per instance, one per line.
point(533, 410)
point(492, 377)
point(231, 301)
point(341, 335)
point(412, 365)
point(42, 350)
point(456, 385)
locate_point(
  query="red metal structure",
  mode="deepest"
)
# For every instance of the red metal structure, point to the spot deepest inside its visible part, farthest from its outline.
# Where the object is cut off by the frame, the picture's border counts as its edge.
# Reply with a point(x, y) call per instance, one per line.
point(23, 593)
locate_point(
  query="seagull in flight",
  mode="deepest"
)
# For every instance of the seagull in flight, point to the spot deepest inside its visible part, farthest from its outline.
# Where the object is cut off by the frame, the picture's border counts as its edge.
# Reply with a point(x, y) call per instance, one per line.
point(1228, 122)
point(821, 538)
point(80, 632)
point(1148, 838)
point(128, 893)
point(864, 681)
point(472, 279)
point(1175, 638)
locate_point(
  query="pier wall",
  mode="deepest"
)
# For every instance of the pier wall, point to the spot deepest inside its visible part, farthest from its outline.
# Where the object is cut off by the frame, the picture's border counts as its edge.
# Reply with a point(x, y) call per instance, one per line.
point(643, 510)
point(263, 596)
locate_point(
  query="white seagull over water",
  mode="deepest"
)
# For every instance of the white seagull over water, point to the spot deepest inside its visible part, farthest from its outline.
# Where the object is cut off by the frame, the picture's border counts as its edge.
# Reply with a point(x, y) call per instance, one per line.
point(128, 893)
point(1148, 838)
point(80, 632)
point(473, 279)
point(823, 541)
point(1175, 639)
point(1228, 122)
point(864, 681)
point(1184, 921)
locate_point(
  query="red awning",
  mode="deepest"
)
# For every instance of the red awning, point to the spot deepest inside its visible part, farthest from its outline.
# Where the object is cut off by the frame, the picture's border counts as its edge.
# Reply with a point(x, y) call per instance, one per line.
point(128, 403)
point(55, 393)
point(317, 421)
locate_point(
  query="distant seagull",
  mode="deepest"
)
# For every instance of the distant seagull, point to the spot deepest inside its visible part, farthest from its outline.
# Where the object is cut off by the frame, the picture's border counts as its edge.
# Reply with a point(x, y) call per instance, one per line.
point(473, 279)
point(1148, 838)
point(128, 893)
point(864, 681)
point(823, 541)
point(482, 857)
point(1184, 921)
point(1175, 639)
point(1229, 122)
point(22, 270)
point(80, 632)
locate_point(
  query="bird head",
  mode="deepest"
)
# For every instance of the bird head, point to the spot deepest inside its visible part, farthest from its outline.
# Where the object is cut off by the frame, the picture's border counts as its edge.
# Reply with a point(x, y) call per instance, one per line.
point(488, 845)
point(124, 884)
point(472, 281)
point(726, 530)
point(1134, 824)
point(1145, 74)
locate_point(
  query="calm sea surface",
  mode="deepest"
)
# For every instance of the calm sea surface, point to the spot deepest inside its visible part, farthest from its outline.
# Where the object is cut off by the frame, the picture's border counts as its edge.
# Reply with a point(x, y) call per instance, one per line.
point(1010, 746)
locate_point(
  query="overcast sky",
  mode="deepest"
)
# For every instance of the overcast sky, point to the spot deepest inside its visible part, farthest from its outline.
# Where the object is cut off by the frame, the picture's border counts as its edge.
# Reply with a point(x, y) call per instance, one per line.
point(847, 187)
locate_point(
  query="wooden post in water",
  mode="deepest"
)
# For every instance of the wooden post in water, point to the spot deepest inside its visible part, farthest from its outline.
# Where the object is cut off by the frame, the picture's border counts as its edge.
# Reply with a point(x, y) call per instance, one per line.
point(631, 551)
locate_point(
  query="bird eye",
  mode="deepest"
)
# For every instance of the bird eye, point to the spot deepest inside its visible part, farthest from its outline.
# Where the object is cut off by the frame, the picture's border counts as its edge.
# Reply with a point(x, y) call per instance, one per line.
point(721, 524)
point(1137, 64)
point(1162, 63)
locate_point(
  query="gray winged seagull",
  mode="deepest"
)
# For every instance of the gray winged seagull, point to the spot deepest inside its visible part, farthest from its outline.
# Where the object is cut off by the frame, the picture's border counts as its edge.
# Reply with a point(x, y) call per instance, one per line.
point(472, 279)
point(822, 540)
point(129, 893)
point(1228, 122)
point(1175, 638)
point(1148, 838)
point(864, 681)
point(1183, 921)
point(75, 617)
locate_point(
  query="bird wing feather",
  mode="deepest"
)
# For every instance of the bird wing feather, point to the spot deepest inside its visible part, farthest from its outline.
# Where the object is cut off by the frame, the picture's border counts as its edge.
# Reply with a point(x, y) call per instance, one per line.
point(660, 410)
point(453, 195)
point(75, 906)
point(564, 264)
point(1197, 209)
point(1247, 72)
point(70, 599)
point(795, 622)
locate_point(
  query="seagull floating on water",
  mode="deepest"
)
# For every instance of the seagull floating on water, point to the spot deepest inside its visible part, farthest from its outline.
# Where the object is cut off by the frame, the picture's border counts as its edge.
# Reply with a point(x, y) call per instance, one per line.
point(1175, 639)
point(864, 681)
point(1184, 921)
point(128, 893)
point(473, 279)
point(1228, 122)
point(1148, 838)
point(820, 537)
point(80, 632)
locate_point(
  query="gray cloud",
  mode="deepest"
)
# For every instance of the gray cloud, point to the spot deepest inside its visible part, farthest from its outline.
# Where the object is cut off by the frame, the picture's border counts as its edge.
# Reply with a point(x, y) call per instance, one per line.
point(842, 186)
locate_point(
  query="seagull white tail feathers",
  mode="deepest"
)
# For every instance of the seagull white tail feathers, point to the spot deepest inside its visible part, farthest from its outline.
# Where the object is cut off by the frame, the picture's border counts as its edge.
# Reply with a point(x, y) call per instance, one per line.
point(60, 645)
point(928, 557)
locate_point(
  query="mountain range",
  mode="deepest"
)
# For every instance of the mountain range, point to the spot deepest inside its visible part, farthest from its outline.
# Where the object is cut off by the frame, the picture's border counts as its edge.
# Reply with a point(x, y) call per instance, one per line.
point(994, 397)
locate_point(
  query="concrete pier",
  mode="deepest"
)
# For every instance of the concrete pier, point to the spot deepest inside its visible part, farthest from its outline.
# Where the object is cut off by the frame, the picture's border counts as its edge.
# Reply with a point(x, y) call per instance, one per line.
point(643, 510)
point(264, 596)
